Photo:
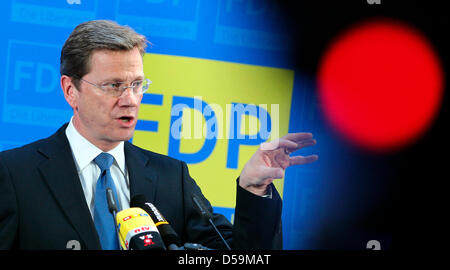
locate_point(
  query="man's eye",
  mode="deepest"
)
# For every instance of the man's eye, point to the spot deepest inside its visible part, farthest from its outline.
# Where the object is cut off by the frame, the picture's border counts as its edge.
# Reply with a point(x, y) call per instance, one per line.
point(137, 83)
point(113, 85)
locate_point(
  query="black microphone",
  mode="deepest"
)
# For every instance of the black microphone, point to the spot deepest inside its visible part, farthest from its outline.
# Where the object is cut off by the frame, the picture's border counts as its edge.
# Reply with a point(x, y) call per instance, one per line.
point(112, 205)
point(204, 212)
point(113, 209)
point(168, 234)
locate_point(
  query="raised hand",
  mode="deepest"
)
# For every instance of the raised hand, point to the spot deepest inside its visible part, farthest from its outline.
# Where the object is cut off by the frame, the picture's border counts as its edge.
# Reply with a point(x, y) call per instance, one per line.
point(272, 158)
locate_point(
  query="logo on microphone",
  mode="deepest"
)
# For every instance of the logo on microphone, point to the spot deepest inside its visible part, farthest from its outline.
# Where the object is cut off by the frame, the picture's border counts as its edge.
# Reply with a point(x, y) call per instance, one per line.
point(148, 240)
point(136, 215)
point(142, 229)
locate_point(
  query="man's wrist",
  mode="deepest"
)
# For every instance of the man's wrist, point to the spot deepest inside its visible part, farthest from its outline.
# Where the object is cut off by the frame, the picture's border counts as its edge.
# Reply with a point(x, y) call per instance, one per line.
point(262, 191)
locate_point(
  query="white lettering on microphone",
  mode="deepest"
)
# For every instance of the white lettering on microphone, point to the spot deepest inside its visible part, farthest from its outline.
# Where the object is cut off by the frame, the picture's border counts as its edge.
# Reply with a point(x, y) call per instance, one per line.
point(156, 212)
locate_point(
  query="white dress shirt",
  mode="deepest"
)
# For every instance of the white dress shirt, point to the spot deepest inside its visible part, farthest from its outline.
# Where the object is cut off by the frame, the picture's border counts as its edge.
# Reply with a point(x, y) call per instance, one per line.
point(84, 154)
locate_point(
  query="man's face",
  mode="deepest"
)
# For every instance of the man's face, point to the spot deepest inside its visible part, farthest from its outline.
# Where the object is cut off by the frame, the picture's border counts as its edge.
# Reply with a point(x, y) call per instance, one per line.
point(103, 119)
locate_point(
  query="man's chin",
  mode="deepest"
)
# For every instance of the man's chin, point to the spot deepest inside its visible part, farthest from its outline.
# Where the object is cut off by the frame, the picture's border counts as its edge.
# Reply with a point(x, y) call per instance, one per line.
point(127, 137)
point(124, 136)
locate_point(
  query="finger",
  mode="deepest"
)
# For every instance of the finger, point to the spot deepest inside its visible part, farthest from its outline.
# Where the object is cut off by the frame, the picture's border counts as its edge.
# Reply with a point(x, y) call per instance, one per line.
point(305, 143)
point(298, 136)
point(278, 143)
point(300, 160)
point(271, 173)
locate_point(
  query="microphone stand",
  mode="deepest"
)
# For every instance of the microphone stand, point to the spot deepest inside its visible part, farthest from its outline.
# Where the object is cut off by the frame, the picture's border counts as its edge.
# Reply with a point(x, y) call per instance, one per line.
point(203, 211)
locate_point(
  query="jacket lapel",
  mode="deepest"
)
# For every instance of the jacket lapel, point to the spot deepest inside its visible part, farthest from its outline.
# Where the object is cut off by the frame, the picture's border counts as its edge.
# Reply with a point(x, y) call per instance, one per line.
point(143, 179)
point(59, 171)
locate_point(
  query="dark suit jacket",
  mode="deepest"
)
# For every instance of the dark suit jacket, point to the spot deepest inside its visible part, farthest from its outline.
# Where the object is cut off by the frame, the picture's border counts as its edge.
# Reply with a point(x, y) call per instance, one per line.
point(42, 204)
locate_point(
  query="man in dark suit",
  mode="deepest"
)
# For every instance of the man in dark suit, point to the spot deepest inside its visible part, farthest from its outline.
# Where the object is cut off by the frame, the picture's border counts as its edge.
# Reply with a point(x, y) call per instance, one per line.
point(49, 195)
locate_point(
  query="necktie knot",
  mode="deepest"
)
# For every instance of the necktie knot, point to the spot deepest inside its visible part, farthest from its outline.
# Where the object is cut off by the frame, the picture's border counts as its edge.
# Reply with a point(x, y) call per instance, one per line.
point(104, 161)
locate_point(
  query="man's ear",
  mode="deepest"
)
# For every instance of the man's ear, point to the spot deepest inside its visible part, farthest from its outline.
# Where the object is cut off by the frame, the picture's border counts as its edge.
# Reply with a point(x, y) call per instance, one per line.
point(69, 90)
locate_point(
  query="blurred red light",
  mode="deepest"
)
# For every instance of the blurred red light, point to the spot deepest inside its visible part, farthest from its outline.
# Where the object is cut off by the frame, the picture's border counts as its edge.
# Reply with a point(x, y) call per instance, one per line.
point(380, 85)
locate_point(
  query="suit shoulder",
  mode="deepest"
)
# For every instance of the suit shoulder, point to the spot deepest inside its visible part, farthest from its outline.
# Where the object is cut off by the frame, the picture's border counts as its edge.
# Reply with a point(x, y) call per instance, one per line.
point(29, 149)
point(21, 159)
point(24, 150)
point(33, 151)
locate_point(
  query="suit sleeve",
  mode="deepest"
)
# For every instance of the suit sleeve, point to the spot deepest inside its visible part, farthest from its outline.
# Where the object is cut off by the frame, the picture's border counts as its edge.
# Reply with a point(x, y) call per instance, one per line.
point(257, 222)
point(8, 209)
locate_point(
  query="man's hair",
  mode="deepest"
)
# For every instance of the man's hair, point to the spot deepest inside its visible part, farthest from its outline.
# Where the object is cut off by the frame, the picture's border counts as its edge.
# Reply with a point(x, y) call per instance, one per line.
point(95, 35)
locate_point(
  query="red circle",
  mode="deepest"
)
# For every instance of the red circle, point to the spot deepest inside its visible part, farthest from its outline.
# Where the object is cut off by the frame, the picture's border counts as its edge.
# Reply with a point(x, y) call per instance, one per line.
point(380, 84)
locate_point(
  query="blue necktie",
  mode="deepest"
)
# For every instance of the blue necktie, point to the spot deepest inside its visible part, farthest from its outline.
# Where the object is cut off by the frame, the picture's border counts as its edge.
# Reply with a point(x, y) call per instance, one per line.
point(103, 219)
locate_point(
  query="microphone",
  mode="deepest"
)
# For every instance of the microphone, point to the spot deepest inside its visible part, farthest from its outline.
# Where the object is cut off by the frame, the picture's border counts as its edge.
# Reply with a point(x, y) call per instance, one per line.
point(112, 205)
point(168, 234)
point(137, 230)
point(113, 209)
point(204, 212)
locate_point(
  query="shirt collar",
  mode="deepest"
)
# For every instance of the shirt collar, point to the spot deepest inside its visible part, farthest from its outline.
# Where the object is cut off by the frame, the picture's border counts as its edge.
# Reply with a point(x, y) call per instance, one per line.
point(84, 151)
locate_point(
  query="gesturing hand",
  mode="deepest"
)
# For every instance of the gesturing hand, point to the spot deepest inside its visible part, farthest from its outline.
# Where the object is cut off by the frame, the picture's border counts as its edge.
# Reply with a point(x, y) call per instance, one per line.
point(271, 160)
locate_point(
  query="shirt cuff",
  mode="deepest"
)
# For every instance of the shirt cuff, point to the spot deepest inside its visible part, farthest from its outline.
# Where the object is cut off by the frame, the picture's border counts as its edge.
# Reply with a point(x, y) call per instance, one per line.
point(268, 192)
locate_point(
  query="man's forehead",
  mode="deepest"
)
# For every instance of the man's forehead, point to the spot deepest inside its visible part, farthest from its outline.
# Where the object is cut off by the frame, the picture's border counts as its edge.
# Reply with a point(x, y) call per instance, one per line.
point(110, 63)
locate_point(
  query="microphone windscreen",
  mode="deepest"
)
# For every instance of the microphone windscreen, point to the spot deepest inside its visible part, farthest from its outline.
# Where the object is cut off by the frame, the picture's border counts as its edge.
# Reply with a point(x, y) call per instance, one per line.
point(137, 230)
point(166, 231)
point(201, 207)
point(138, 199)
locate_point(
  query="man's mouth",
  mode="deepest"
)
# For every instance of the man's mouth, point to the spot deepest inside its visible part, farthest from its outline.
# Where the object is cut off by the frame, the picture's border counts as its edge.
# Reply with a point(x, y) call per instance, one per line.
point(126, 119)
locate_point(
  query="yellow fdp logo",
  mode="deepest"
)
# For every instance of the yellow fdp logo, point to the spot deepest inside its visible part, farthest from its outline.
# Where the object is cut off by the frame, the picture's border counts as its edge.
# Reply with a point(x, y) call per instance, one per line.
point(213, 115)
